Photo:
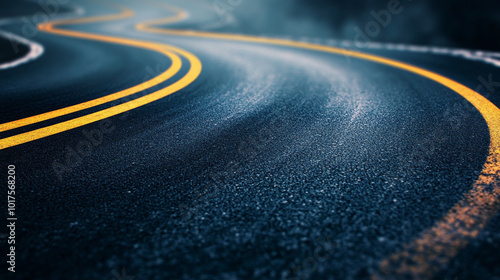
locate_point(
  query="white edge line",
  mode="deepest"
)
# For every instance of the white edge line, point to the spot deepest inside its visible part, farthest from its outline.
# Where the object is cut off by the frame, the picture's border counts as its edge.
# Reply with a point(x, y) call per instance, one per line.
point(35, 50)
point(488, 57)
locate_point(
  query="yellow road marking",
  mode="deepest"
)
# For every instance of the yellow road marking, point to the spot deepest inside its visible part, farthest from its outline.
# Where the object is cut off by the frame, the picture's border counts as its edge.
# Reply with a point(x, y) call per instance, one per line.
point(50, 27)
point(437, 245)
point(192, 74)
point(169, 51)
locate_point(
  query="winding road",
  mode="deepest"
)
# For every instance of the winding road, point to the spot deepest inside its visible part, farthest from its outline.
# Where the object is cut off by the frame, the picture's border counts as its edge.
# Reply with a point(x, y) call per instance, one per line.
point(146, 146)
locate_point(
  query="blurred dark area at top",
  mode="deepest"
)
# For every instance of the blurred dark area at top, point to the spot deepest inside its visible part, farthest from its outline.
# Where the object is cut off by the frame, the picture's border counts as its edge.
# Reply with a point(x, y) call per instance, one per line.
point(463, 24)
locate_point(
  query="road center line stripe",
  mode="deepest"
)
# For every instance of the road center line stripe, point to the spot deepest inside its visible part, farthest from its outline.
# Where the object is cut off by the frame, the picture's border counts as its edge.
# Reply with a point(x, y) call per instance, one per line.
point(50, 27)
point(170, 51)
point(192, 74)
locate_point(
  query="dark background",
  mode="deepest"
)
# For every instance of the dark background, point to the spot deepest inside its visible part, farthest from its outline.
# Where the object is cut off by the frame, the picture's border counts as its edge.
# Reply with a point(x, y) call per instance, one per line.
point(465, 24)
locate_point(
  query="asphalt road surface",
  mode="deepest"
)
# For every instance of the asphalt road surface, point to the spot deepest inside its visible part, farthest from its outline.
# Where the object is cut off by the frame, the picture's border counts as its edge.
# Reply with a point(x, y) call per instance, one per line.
point(144, 147)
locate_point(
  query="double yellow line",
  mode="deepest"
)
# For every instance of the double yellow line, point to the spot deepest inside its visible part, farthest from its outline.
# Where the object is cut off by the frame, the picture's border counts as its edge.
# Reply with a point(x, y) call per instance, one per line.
point(169, 51)
point(420, 258)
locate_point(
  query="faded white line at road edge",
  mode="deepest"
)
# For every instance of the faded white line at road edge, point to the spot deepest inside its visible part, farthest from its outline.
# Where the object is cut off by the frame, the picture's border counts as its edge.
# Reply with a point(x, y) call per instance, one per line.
point(488, 57)
point(35, 50)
